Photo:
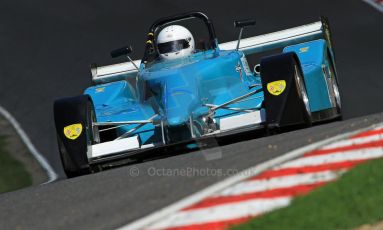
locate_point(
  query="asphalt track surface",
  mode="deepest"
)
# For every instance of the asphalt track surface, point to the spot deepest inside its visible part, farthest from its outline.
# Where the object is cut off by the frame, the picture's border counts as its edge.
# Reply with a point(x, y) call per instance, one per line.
point(45, 51)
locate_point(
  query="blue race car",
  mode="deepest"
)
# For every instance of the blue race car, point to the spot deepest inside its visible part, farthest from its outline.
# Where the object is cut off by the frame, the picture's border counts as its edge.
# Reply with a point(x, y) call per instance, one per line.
point(186, 89)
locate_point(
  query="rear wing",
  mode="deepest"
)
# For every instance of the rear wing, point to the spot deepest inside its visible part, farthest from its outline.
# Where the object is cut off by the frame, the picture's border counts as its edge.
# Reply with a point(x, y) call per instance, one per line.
point(250, 45)
point(278, 39)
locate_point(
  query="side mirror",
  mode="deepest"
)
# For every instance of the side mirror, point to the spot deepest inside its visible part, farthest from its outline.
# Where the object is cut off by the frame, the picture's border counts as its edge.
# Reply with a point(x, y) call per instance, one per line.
point(244, 23)
point(121, 51)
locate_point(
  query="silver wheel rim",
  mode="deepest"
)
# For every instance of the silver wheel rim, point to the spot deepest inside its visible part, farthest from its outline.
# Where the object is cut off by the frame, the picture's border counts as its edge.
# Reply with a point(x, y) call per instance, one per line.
point(336, 92)
point(94, 129)
point(302, 91)
point(335, 87)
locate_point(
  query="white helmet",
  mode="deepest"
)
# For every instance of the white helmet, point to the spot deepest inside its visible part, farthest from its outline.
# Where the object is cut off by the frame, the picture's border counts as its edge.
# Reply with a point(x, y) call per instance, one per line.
point(175, 42)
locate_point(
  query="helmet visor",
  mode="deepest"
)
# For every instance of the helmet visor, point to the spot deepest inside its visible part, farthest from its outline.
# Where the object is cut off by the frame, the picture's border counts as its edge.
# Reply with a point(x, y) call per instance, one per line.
point(173, 46)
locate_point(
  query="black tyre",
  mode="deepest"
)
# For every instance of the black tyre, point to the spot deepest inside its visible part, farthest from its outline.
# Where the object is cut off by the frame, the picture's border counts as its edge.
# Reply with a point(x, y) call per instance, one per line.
point(75, 133)
point(286, 100)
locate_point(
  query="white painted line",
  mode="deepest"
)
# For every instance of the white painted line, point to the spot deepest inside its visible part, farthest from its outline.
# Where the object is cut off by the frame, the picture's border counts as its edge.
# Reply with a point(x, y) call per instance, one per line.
point(354, 141)
point(360, 154)
point(278, 182)
point(222, 213)
point(32, 149)
point(251, 172)
point(376, 4)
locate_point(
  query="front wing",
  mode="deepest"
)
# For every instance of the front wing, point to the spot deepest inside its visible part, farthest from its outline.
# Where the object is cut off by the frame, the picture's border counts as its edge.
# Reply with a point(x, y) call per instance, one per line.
point(116, 150)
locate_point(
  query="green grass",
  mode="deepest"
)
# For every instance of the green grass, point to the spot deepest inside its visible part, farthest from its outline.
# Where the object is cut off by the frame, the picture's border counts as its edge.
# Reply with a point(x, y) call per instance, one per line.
point(12, 173)
point(355, 199)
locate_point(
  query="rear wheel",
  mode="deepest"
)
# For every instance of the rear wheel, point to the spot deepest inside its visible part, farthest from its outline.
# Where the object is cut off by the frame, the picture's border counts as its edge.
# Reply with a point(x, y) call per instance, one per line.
point(335, 89)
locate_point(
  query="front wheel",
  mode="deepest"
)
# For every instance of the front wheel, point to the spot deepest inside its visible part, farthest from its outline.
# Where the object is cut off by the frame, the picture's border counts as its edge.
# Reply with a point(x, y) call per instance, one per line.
point(302, 94)
point(75, 133)
point(285, 96)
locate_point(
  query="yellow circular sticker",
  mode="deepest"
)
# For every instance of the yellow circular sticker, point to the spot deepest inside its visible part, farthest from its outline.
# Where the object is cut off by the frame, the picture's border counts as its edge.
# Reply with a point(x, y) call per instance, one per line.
point(276, 87)
point(73, 131)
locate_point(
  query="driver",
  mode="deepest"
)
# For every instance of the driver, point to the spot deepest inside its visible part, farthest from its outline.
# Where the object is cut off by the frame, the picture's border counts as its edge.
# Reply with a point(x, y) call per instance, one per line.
point(175, 42)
